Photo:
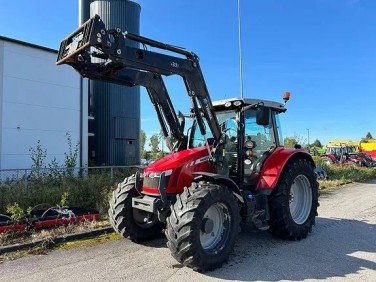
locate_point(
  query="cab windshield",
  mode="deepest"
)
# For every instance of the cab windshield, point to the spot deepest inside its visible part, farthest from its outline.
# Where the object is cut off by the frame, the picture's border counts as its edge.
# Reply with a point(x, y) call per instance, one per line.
point(263, 136)
point(223, 118)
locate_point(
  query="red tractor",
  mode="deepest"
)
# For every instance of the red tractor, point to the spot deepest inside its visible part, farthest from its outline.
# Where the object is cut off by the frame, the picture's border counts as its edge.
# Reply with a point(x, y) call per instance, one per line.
point(229, 168)
point(340, 155)
point(346, 155)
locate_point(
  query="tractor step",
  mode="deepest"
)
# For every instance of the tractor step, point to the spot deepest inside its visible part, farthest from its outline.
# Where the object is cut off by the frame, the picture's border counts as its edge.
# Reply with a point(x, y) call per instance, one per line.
point(147, 203)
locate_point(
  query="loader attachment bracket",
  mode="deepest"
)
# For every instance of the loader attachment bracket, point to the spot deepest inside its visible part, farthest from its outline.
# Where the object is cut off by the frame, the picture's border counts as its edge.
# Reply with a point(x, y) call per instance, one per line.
point(91, 33)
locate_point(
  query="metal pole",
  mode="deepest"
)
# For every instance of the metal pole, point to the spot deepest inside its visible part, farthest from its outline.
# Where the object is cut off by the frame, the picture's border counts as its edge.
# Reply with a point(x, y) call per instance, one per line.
point(308, 135)
point(25, 181)
point(240, 51)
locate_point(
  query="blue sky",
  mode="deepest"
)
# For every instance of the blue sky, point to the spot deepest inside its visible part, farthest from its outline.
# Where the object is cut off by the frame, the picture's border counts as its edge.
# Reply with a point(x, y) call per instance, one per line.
point(322, 51)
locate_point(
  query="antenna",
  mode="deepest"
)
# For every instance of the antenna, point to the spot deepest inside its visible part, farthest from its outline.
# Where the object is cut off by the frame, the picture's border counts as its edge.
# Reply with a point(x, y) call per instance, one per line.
point(240, 51)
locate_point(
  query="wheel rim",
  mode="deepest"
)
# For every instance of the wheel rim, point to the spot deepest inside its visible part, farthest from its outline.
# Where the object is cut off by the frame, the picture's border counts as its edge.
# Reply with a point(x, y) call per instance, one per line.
point(144, 219)
point(215, 228)
point(300, 199)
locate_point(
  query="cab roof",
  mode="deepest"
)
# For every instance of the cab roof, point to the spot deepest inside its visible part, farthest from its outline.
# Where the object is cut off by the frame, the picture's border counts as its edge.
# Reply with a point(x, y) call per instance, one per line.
point(229, 104)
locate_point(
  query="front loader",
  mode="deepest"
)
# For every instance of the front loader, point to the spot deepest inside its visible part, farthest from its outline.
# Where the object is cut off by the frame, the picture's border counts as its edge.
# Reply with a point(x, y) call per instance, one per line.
point(228, 168)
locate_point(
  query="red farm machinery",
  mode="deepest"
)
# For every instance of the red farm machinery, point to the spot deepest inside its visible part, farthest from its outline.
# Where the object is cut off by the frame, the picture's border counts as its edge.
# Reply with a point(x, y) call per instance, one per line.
point(229, 168)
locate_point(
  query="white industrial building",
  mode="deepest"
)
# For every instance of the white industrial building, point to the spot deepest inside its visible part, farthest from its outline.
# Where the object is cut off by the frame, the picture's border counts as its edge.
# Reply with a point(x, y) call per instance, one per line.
point(38, 101)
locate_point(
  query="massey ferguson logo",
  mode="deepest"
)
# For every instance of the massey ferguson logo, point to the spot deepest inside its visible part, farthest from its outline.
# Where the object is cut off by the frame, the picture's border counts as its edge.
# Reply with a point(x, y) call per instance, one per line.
point(198, 161)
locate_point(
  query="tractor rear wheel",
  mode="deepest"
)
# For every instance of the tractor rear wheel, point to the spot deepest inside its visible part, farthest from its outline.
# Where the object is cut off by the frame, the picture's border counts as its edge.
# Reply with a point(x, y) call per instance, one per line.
point(293, 203)
point(203, 226)
point(131, 223)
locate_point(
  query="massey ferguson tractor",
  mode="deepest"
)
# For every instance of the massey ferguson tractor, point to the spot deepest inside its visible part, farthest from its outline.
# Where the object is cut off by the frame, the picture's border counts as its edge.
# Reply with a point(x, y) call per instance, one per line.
point(228, 168)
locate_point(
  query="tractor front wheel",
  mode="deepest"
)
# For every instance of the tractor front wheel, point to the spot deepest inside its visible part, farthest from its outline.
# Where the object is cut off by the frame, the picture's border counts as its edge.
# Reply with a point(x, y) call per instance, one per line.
point(135, 224)
point(203, 226)
point(293, 204)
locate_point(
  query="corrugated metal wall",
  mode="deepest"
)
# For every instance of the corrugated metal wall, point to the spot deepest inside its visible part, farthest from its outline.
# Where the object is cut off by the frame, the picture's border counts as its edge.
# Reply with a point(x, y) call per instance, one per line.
point(115, 108)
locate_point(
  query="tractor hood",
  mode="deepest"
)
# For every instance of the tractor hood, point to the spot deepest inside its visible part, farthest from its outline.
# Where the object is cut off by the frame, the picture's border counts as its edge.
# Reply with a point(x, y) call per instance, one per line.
point(179, 169)
point(176, 160)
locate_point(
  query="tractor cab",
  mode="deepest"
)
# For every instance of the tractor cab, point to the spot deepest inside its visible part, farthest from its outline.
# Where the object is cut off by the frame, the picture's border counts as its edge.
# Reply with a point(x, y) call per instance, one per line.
point(251, 131)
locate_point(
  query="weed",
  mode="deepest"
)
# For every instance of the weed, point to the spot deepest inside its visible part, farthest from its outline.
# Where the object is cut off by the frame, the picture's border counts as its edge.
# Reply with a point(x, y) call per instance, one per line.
point(15, 212)
point(38, 156)
point(64, 200)
point(89, 242)
point(70, 158)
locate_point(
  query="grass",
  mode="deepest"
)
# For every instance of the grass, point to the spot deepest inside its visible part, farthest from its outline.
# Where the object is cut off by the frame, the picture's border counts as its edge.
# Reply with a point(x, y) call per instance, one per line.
point(327, 186)
point(89, 242)
point(338, 176)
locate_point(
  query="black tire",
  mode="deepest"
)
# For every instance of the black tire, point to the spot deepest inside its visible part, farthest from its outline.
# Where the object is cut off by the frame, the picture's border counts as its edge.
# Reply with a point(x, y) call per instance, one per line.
point(129, 222)
point(190, 227)
point(293, 203)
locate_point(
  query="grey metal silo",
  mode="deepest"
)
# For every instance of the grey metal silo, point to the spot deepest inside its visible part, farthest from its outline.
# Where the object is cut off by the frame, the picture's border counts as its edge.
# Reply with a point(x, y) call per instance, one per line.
point(115, 108)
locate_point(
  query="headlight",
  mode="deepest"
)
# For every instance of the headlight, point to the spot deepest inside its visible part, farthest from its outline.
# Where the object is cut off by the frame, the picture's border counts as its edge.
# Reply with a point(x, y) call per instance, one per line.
point(158, 174)
point(237, 103)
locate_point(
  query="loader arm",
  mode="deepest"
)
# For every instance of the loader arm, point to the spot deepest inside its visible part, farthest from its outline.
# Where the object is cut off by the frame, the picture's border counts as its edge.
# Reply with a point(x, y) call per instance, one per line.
point(98, 53)
point(153, 84)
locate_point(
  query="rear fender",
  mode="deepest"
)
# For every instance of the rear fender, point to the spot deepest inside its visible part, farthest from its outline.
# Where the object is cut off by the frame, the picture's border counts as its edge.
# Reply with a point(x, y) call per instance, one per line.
point(274, 166)
point(330, 156)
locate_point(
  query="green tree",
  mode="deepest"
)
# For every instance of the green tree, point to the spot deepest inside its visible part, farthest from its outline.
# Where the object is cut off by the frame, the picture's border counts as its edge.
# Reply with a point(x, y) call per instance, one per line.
point(316, 143)
point(142, 140)
point(154, 144)
point(291, 141)
point(369, 136)
point(166, 142)
point(142, 144)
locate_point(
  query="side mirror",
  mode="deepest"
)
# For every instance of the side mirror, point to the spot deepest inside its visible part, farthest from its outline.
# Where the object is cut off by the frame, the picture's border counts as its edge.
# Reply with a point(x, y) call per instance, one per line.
point(181, 119)
point(263, 115)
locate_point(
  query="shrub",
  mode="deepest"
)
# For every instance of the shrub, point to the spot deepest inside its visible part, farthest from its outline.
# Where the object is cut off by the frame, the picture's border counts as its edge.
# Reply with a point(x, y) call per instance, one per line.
point(16, 212)
point(87, 190)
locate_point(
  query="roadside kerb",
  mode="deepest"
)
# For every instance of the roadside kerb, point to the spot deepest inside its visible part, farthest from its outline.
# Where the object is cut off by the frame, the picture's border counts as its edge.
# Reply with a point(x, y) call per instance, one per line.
point(56, 240)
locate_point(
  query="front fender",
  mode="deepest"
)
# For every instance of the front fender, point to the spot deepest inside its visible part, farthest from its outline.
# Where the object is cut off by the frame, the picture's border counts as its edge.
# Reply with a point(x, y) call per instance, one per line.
point(220, 179)
point(274, 165)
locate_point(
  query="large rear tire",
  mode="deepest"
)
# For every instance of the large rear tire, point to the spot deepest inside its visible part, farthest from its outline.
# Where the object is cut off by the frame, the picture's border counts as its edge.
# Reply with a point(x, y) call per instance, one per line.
point(131, 223)
point(203, 226)
point(293, 204)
